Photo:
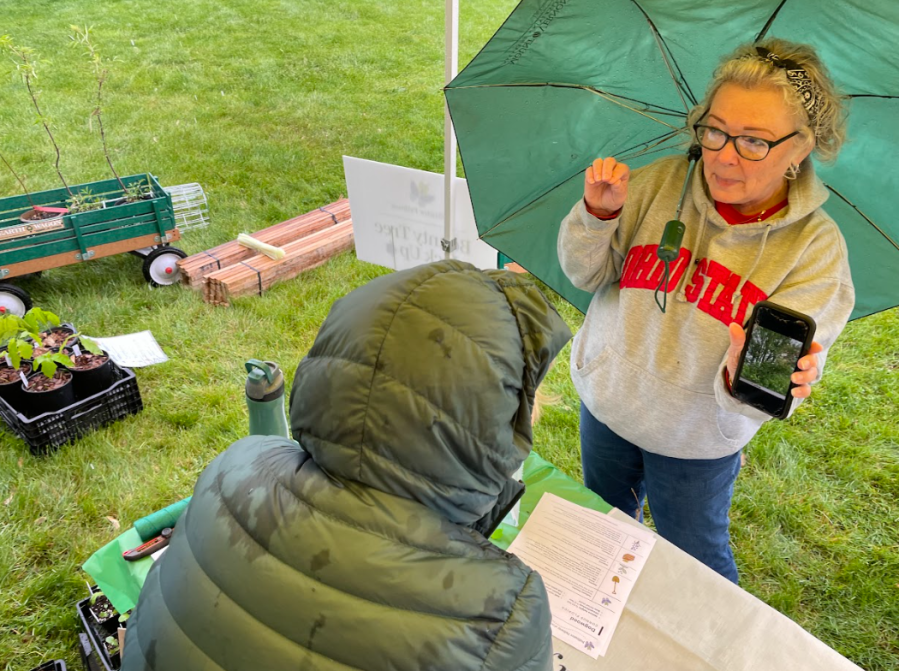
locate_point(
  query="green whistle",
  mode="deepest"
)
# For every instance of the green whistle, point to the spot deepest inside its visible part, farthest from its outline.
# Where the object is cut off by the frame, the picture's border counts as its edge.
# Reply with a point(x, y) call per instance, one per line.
point(669, 247)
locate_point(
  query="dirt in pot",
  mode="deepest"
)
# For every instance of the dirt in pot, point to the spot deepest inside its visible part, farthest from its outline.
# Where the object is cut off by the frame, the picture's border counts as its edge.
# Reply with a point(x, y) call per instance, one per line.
point(9, 374)
point(102, 609)
point(56, 337)
point(88, 361)
point(39, 351)
point(39, 215)
point(40, 383)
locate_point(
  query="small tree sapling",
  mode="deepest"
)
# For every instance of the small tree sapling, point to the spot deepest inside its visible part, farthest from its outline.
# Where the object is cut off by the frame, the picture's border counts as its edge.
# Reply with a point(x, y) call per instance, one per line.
point(27, 66)
point(82, 38)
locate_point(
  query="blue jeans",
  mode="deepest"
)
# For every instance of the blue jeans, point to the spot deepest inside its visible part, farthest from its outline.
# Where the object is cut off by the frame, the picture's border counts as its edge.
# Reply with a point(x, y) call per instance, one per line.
point(689, 498)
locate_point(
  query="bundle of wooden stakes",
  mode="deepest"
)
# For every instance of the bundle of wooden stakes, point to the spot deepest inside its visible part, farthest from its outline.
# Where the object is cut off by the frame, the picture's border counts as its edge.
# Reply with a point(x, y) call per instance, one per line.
point(232, 270)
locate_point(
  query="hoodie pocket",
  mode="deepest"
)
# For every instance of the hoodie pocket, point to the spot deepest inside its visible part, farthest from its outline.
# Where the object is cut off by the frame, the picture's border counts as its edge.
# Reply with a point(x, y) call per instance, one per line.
point(584, 368)
point(735, 429)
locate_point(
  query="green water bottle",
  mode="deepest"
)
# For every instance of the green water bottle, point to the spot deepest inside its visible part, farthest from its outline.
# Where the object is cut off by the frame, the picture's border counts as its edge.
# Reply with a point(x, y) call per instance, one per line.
point(265, 399)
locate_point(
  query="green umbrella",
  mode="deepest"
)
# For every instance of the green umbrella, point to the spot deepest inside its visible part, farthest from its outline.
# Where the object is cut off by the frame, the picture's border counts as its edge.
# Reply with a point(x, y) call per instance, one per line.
point(565, 81)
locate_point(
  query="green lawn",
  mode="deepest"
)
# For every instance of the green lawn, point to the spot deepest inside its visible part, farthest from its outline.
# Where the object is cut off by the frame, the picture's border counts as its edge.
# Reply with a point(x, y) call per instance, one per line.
point(257, 100)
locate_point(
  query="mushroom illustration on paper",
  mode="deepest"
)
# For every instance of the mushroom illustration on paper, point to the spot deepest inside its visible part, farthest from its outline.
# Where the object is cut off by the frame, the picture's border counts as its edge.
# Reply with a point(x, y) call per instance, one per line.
point(616, 580)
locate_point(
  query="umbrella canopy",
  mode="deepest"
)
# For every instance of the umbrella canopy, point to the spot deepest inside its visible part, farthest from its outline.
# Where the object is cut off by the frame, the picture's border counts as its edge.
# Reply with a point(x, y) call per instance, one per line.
point(565, 81)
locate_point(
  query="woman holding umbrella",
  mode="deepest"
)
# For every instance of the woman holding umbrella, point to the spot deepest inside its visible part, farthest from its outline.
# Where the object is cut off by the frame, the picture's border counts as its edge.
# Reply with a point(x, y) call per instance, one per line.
point(657, 416)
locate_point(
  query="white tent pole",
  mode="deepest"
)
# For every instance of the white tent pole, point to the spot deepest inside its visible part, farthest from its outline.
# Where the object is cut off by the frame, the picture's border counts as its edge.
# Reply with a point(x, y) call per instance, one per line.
point(449, 137)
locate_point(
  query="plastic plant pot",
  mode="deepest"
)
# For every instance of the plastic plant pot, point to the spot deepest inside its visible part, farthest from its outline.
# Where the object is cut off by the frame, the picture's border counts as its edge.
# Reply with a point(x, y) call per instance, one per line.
point(39, 402)
point(91, 374)
point(11, 391)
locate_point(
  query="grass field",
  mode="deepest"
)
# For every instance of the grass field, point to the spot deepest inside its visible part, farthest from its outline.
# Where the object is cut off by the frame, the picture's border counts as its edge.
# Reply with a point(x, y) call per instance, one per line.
point(257, 100)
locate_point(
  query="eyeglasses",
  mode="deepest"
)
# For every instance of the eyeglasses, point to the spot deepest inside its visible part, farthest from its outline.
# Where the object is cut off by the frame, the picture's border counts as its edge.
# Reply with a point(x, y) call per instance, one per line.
point(749, 147)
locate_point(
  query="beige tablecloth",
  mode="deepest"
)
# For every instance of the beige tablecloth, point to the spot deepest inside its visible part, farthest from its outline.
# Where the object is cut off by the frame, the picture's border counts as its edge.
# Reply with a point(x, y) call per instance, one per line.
point(682, 616)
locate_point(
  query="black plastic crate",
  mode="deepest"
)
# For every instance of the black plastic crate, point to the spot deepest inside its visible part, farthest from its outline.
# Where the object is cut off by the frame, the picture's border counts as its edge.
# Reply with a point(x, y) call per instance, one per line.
point(52, 429)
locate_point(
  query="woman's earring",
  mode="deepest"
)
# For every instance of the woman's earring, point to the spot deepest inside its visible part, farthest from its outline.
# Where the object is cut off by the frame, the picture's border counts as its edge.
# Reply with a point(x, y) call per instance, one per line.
point(792, 171)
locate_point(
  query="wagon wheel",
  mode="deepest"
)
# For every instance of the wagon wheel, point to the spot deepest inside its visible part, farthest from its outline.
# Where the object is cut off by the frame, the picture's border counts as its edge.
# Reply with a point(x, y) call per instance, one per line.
point(13, 300)
point(161, 266)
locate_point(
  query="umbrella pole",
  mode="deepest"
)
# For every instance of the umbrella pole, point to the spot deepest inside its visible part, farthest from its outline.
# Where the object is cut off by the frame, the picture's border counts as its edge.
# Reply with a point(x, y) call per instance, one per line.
point(448, 243)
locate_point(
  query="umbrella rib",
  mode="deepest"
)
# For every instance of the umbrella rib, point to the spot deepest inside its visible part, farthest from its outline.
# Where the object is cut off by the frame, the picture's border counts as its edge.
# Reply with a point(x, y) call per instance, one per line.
point(612, 99)
point(771, 18)
point(872, 95)
point(649, 144)
point(679, 82)
point(864, 216)
point(657, 109)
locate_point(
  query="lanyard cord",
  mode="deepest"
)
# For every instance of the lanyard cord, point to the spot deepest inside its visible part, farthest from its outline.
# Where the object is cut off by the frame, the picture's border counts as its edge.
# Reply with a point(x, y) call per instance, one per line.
point(669, 247)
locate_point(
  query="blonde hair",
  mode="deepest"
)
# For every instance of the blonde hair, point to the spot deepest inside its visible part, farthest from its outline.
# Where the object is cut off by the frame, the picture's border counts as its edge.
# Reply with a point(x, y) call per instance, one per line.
point(745, 68)
point(542, 399)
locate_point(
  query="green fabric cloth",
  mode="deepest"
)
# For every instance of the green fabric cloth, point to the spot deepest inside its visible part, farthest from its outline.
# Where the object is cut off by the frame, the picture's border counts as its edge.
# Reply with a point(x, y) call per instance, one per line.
point(565, 81)
point(119, 580)
point(359, 547)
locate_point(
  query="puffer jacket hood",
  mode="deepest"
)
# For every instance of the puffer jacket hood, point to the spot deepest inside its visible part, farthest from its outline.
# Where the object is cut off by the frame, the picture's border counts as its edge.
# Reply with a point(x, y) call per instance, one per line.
point(421, 384)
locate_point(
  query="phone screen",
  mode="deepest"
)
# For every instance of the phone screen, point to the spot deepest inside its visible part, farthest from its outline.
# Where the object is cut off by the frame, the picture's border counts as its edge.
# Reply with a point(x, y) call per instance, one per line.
point(770, 360)
point(776, 339)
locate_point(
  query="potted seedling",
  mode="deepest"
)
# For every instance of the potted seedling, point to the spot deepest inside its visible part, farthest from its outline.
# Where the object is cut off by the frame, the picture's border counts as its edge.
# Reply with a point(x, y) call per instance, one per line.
point(49, 387)
point(90, 366)
point(83, 201)
point(105, 627)
point(100, 608)
point(50, 332)
point(13, 368)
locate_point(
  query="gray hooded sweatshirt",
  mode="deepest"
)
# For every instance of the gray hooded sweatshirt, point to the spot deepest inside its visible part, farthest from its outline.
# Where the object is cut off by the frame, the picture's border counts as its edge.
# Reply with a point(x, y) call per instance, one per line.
point(657, 379)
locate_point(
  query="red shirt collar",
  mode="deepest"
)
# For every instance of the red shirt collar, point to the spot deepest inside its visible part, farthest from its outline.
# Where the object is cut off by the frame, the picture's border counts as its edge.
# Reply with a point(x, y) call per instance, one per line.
point(731, 216)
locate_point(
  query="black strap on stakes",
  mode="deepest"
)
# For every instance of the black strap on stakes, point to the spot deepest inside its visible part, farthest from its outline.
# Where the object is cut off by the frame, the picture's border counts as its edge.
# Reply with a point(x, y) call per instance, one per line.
point(258, 275)
point(333, 218)
point(214, 258)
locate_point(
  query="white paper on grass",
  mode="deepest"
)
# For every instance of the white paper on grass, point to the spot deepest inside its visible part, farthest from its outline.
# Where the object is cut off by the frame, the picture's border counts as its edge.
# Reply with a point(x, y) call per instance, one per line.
point(398, 216)
point(133, 350)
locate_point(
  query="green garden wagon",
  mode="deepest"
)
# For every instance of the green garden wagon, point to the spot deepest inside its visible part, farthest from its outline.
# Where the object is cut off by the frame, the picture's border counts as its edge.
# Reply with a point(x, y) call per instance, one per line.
point(31, 245)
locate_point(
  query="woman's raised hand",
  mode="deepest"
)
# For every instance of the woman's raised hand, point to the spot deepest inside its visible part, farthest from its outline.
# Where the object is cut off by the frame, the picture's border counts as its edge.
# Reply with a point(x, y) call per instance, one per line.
point(605, 186)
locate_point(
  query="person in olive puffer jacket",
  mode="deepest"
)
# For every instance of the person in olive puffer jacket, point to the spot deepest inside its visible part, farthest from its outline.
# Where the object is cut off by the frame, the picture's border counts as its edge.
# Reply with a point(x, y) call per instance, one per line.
point(364, 546)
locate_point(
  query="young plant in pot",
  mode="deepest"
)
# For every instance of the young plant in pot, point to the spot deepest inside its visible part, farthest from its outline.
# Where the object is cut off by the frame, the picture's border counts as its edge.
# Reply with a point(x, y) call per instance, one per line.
point(100, 608)
point(49, 387)
point(92, 369)
point(51, 333)
point(13, 367)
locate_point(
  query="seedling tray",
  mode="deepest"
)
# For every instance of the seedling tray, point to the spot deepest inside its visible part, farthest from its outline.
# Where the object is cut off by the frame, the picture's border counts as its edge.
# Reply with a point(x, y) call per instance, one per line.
point(97, 658)
point(56, 665)
point(52, 429)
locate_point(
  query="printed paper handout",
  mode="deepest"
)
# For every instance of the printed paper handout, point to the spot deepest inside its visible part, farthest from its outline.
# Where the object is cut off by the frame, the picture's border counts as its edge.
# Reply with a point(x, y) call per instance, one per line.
point(589, 563)
point(133, 350)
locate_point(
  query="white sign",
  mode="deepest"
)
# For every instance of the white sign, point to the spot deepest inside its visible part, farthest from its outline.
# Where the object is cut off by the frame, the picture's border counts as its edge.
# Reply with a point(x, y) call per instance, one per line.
point(589, 563)
point(398, 216)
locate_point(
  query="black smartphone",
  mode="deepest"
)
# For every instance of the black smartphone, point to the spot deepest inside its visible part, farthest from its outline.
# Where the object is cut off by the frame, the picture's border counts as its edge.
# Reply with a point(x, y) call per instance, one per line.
point(776, 338)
